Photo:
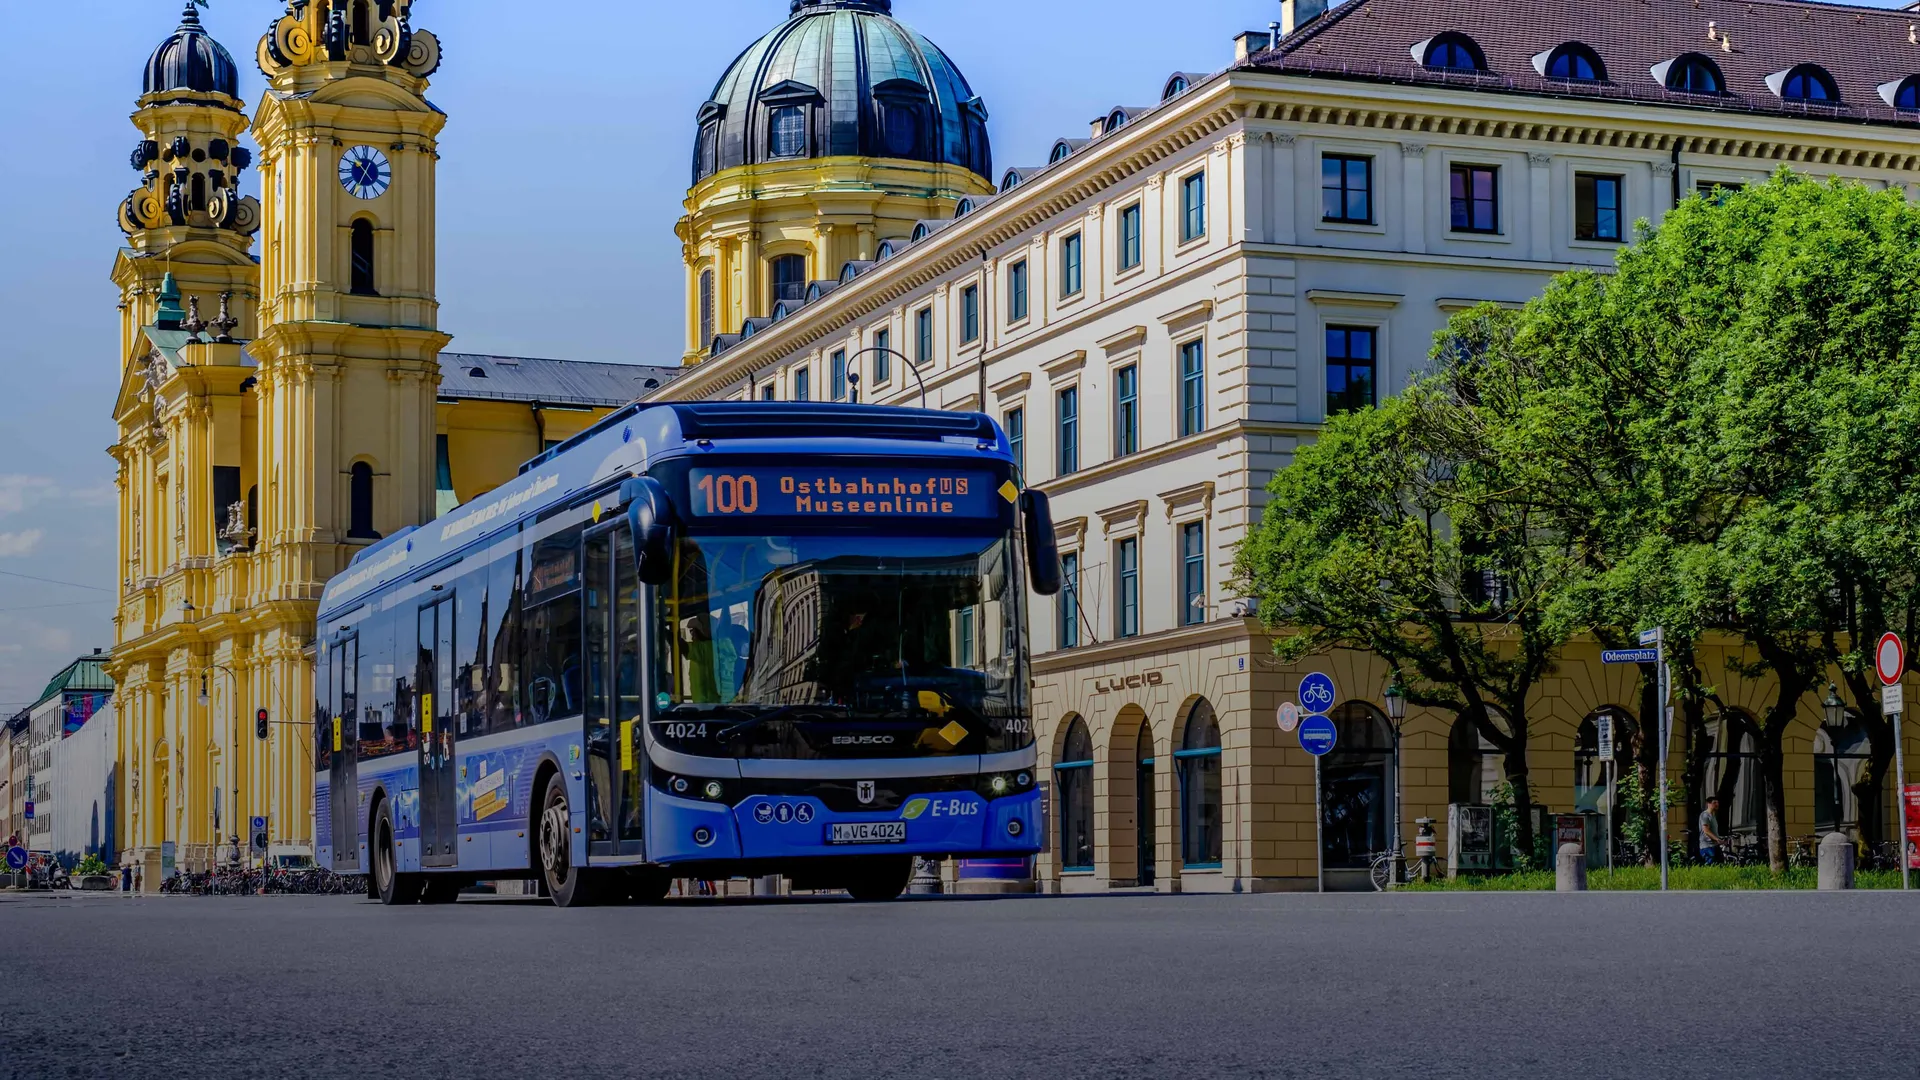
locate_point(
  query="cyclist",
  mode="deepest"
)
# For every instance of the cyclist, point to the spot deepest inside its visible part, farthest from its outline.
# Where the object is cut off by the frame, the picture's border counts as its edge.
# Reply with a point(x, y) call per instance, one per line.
point(1711, 842)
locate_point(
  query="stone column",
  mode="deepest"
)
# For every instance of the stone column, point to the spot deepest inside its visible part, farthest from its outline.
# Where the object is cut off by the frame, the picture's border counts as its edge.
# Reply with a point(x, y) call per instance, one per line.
point(1413, 190)
point(1836, 862)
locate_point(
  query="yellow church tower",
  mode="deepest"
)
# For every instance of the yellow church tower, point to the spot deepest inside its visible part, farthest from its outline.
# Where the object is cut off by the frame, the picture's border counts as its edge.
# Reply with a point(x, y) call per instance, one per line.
point(828, 138)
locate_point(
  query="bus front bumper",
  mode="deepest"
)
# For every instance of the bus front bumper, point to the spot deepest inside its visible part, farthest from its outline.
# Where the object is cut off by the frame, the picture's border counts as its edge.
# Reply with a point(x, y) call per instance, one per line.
point(765, 827)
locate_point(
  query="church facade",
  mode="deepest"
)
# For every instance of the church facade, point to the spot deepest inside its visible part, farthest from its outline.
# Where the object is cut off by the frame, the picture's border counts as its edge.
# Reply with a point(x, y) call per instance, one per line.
point(285, 400)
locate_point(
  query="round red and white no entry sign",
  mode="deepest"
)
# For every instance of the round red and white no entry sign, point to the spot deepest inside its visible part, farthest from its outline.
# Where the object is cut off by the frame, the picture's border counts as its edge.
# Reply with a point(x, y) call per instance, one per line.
point(1890, 658)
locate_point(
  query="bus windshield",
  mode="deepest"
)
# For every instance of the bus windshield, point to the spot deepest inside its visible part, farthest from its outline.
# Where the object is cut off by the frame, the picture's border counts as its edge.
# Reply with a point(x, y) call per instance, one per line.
point(836, 646)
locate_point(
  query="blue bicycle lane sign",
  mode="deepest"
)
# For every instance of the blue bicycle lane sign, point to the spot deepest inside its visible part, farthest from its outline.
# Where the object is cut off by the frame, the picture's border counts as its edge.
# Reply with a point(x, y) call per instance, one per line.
point(1316, 694)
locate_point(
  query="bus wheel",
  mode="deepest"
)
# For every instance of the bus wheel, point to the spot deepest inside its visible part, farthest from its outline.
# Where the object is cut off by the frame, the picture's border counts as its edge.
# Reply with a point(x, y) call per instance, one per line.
point(881, 878)
point(440, 889)
point(569, 885)
point(393, 886)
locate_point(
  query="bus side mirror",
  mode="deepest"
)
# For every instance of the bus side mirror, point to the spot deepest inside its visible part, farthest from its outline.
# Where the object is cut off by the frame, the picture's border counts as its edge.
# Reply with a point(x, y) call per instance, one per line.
point(650, 518)
point(1043, 548)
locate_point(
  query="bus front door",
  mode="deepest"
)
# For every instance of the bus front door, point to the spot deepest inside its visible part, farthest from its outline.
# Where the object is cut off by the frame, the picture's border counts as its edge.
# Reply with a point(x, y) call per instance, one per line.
point(439, 821)
point(343, 774)
point(615, 743)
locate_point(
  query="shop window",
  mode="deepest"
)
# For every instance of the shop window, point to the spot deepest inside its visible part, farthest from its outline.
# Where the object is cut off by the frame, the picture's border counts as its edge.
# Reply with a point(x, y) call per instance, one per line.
point(1198, 764)
point(1356, 788)
point(1073, 784)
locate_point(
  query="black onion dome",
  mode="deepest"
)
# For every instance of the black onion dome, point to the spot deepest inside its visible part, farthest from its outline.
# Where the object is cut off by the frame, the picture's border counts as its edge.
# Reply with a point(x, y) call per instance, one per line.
point(842, 78)
point(191, 60)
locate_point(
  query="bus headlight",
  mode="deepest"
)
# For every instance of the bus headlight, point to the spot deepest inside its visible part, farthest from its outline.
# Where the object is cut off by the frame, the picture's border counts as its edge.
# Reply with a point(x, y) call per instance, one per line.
point(679, 785)
point(999, 785)
point(996, 785)
point(713, 790)
point(703, 836)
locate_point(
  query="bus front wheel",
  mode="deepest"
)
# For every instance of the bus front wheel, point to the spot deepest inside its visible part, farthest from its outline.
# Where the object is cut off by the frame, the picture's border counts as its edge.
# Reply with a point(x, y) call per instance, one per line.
point(392, 886)
point(881, 879)
point(569, 885)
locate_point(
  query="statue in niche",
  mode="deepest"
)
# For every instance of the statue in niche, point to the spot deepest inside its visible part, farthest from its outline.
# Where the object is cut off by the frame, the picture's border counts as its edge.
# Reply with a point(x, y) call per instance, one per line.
point(236, 534)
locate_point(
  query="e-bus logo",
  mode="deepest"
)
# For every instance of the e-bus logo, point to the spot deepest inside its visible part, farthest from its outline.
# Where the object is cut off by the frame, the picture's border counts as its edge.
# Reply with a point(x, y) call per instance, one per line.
point(923, 807)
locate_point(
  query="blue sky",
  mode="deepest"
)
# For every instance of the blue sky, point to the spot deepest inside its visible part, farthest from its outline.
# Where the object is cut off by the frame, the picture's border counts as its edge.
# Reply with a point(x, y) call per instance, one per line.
point(562, 170)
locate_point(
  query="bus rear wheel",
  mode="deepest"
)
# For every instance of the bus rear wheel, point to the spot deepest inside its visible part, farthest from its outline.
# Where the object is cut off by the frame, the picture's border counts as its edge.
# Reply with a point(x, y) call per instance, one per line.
point(392, 886)
point(883, 878)
point(569, 885)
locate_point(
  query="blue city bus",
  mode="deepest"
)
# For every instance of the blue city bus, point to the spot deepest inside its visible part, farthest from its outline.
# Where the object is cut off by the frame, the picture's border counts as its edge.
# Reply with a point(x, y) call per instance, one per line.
point(696, 641)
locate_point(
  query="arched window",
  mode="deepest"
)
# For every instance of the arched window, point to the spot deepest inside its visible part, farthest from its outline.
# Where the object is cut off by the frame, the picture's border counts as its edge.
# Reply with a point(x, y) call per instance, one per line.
point(849, 272)
point(1062, 150)
point(707, 155)
point(1732, 774)
point(706, 307)
point(787, 132)
point(1840, 759)
point(1073, 783)
point(1576, 63)
point(1591, 790)
point(1453, 52)
point(362, 245)
point(1907, 94)
point(885, 251)
point(362, 22)
point(1175, 87)
point(1474, 764)
point(1143, 804)
point(921, 232)
point(1810, 82)
point(789, 276)
point(360, 503)
point(1356, 788)
point(1116, 120)
point(199, 195)
point(1198, 761)
point(1694, 74)
point(1010, 181)
point(963, 208)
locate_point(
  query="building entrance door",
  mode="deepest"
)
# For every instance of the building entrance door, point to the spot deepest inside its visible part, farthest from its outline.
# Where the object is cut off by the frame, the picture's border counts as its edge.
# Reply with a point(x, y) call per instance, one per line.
point(439, 811)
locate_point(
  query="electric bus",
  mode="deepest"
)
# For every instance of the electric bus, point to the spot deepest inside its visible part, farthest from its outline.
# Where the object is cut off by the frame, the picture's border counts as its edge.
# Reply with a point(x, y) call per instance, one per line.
point(696, 641)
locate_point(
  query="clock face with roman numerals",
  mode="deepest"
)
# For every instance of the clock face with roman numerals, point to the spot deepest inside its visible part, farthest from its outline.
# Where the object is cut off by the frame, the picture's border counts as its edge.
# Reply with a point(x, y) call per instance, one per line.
point(365, 172)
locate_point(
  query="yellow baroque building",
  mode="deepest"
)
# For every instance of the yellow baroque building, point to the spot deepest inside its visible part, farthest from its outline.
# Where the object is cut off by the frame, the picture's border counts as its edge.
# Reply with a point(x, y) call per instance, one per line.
point(281, 407)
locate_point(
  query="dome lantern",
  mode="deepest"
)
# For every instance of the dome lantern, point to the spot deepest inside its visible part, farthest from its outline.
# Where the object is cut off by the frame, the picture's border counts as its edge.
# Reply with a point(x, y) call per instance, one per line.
point(191, 60)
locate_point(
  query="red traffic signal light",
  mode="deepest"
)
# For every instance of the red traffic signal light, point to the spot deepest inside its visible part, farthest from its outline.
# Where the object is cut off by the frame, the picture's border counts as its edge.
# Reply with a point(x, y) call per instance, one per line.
point(260, 724)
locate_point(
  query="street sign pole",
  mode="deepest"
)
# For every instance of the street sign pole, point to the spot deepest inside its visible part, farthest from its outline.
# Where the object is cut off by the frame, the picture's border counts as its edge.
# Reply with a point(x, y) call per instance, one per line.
point(1319, 852)
point(1890, 663)
point(1900, 820)
point(1665, 729)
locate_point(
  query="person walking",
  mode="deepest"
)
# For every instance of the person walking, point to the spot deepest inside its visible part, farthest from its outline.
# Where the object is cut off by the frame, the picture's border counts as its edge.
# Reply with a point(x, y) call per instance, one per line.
point(1712, 844)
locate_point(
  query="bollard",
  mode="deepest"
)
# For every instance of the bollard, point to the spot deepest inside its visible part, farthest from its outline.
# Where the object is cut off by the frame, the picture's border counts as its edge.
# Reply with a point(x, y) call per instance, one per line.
point(1836, 861)
point(1570, 872)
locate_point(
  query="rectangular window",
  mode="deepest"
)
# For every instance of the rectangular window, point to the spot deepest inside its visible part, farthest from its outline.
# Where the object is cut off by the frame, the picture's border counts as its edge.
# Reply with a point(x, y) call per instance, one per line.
point(1596, 207)
point(1350, 368)
point(1346, 189)
point(1193, 573)
point(1193, 207)
point(802, 385)
point(1069, 430)
point(837, 375)
point(923, 336)
point(970, 314)
point(1070, 266)
point(1069, 600)
point(767, 392)
point(1015, 424)
point(1129, 237)
point(1476, 198)
point(1126, 589)
point(1193, 388)
point(1017, 291)
point(1126, 410)
point(963, 648)
point(706, 309)
point(882, 356)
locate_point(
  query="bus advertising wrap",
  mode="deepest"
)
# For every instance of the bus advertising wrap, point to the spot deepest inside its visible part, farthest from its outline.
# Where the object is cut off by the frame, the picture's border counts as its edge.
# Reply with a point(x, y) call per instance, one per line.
point(853, 492)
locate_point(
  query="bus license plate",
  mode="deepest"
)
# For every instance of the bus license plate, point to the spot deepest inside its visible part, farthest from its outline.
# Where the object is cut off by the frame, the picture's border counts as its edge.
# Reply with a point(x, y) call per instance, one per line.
point(867, 832)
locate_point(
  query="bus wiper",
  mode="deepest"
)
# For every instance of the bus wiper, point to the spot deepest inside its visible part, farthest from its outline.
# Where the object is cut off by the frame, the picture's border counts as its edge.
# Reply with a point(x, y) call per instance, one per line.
point(763, 719)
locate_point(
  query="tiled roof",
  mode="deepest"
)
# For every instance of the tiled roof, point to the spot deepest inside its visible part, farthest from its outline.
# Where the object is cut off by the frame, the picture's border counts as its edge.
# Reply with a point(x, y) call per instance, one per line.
point(1862, 48)
point(472, 377)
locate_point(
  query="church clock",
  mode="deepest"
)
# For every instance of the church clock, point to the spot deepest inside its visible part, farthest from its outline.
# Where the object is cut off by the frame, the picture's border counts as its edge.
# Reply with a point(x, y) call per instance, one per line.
point(365, 172)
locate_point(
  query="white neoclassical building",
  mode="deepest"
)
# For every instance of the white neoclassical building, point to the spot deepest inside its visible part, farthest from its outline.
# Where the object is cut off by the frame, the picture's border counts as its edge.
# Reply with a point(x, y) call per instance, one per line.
point(1176, 299)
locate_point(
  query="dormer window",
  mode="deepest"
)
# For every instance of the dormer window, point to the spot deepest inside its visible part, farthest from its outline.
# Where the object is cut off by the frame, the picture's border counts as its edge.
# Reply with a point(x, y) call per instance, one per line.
point(787, 127)
point(1451, 52)
point(964, 208)
point(1902, 93)
point(885, 251)
point(1575, 62)
point(1691, 74)
point(903, 112)
point(1806, 82)
point(1175, 87)
point(1116, 120)
point(1010, 181)
point(1062, 150)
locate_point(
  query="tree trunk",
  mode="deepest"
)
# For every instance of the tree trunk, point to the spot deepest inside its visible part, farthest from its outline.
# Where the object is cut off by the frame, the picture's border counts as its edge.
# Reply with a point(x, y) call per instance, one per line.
point(1773, 769)
point(1646, 761)
point(1522, 795)
point(1871, 790)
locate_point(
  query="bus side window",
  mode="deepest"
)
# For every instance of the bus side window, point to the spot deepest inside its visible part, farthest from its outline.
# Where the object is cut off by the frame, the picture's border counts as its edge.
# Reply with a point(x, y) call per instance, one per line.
point(323, 710)
point(503, 629)
point(470, 641)
point(550, 686)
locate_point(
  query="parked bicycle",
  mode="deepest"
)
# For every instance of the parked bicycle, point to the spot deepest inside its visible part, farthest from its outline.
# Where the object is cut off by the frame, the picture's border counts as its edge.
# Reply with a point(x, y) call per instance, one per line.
point(1388, 868)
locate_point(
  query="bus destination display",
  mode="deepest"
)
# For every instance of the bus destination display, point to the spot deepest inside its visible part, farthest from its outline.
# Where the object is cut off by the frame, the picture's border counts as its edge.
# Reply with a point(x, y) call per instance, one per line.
point(776, 492)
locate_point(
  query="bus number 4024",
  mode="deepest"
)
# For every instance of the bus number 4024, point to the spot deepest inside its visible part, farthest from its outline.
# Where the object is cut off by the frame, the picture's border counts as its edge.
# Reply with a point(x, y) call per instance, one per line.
point(730, 494)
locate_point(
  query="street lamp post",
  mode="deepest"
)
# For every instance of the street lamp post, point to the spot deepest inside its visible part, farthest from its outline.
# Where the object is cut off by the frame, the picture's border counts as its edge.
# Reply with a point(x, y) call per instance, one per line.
point(909, 365)
point(233, 765)
point(1396, 701)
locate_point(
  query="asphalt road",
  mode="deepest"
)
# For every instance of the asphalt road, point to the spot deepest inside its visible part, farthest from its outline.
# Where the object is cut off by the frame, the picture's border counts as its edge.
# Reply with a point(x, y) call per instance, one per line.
point(1594, 985)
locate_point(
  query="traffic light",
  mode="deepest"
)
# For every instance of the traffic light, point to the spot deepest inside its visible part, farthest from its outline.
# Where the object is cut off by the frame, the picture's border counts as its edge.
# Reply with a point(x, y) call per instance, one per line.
point(260, 724)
